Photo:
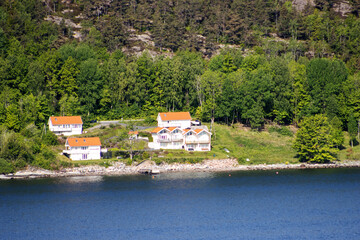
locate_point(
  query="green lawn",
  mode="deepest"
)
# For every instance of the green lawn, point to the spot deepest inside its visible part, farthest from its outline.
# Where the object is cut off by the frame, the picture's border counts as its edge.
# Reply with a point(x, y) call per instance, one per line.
point(258, 147)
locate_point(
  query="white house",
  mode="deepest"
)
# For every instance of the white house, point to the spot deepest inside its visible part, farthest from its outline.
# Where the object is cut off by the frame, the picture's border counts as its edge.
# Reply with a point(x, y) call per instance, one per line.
point(67, 125)
point(174, 119)
point(83, 148)
point(177, 138)
point(197, 139)
point(167, 138)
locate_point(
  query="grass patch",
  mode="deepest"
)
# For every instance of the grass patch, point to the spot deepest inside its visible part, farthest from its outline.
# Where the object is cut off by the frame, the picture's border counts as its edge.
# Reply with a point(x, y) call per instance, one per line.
point(258, 147)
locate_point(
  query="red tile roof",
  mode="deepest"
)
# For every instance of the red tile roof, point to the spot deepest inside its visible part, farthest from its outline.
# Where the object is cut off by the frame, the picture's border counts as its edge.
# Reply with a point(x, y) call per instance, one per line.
point(156, 130)
point(187, 130)
point(133, 132)
point(83, 142)
point(66, 120)
point(173, 128)
point(199, 130)
point(170, 116)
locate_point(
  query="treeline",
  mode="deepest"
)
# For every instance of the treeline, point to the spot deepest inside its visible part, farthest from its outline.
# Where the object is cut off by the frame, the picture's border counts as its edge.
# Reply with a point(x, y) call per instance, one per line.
point(230, 87)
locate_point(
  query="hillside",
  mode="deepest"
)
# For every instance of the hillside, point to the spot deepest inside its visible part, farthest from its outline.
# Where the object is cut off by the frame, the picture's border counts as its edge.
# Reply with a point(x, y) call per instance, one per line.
point(247, 62)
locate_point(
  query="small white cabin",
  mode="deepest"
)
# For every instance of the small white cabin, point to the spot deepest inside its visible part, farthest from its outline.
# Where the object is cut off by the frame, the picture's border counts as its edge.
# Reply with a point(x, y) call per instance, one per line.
point(66, 125)
point(83, 148)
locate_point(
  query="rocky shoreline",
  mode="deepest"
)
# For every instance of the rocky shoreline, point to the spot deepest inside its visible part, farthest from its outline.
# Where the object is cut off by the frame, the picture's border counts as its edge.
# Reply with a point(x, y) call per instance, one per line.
point(119, 168)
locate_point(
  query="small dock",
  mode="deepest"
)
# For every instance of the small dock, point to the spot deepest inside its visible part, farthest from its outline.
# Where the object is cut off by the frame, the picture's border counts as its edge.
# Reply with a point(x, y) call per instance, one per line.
point(149, 171)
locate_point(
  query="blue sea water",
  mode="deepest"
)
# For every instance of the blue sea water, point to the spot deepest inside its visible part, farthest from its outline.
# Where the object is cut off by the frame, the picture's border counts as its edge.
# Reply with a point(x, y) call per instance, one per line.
point(294, 204)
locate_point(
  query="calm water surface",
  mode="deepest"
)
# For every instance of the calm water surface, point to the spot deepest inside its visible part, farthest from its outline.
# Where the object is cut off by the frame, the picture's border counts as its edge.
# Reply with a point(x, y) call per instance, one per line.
point(296, 204)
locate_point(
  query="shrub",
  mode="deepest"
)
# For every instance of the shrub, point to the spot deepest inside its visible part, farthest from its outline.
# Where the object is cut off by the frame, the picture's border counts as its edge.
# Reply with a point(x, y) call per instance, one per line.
point(6, 167)
point(105, 164)
point(41, 162)
point(129, 162)
point(50, 139)
point(145, 155)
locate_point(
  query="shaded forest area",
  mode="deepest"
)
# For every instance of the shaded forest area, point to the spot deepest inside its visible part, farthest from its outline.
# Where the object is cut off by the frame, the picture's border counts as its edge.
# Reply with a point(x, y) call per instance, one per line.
point(279, 65)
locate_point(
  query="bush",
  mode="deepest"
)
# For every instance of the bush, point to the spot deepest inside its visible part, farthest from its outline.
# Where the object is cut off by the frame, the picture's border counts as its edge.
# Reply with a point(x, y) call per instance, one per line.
point(105, 164)
point(145, 155)
point(50, 139)
point(6, 167)
point(41, 162)
point(129, 162)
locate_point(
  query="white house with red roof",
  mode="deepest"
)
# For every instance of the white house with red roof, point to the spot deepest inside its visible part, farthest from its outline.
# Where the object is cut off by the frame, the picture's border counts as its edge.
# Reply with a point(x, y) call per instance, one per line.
point(66, 125)
point(167, 138)
point(174, 131)
point(174, 119)
point(83, 148)
point(197, 139)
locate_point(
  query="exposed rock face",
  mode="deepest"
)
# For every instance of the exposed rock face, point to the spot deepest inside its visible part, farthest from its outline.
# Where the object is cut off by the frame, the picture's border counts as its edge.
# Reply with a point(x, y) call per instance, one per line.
point(300, 4)
point(341, 6)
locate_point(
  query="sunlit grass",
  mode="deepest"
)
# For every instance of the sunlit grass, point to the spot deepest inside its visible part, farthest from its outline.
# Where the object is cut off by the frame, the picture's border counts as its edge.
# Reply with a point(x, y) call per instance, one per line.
point(257, 146)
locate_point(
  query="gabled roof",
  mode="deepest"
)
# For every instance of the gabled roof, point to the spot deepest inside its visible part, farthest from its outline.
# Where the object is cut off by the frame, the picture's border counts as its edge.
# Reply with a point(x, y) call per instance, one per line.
point(158, 129)
point(170, 116)
point(173, 128)
point(185, 131)
point(196, 131)
point(199, 130)
point(133, 132)
point(83, 142)
point(66, 120)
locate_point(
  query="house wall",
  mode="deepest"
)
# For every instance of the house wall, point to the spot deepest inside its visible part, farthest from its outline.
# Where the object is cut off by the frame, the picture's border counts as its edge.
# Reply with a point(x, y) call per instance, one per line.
point(175, 123)
point(66, 130)
point(167, 141)
point(79, 153)
point(197, 142)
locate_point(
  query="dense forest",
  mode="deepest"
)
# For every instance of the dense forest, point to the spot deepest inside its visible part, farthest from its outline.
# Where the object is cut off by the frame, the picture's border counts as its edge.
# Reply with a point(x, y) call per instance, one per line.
point(226, 61)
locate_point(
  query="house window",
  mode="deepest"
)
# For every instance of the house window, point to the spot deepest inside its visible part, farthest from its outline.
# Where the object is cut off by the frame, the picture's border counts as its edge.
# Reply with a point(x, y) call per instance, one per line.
point(84, 156)
point(163, 137)
point(163, 144)
point(204, 145)
point(84, 148)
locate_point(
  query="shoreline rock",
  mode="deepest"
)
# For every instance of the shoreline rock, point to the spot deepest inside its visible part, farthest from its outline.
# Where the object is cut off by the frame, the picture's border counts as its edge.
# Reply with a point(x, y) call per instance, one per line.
point(119, 168)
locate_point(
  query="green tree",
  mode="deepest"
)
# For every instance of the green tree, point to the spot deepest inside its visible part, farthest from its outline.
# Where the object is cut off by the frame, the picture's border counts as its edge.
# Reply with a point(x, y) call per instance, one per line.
point(352, 128)
point(90, 85)
point(314, 141)
point(67, 74)
point(12, 120)
point(212, 86)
